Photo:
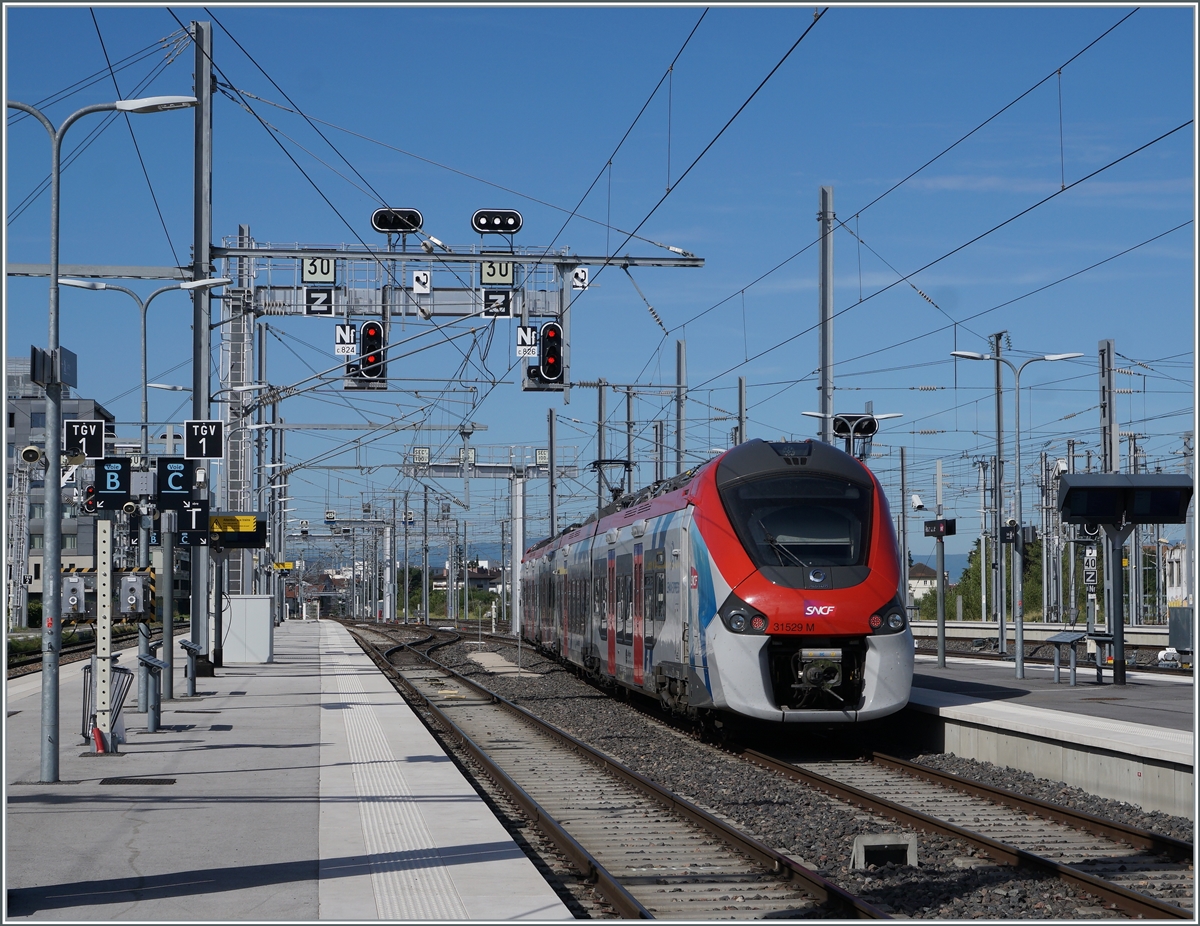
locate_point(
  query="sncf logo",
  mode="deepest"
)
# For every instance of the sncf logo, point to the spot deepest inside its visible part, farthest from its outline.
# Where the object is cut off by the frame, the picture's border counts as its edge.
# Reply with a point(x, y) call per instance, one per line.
point(824, 610)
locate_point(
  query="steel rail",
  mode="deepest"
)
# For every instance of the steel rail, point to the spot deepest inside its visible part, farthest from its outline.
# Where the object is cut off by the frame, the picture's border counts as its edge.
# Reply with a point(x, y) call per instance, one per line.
point(622, 901)
point(1175, 849)
point(1129, 901)
point(822, 889)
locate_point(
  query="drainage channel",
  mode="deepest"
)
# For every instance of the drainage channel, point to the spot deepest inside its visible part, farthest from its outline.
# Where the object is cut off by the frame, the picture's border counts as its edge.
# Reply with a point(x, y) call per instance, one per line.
point(651, 853)
point(1143, 874)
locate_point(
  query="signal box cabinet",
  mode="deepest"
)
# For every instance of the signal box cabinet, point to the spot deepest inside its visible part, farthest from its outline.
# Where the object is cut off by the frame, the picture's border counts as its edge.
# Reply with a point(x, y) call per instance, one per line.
point(251, 630)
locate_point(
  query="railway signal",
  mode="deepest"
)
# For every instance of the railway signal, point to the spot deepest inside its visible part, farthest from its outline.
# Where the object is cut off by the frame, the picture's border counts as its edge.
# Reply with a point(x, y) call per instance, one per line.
point(496, 221)
point(550, 352)
point(371, 355)
point(90, 502)
point(397, 221)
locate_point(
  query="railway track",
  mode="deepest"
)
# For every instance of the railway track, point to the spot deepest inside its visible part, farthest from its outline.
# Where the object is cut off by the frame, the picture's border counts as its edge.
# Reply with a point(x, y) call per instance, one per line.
point(651, 853)
point(20, 664)
point(1141, 873)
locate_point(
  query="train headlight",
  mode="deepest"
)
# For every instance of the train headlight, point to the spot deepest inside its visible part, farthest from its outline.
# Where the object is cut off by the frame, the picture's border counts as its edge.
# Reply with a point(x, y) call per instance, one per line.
point(895, 621)
point(740, 617)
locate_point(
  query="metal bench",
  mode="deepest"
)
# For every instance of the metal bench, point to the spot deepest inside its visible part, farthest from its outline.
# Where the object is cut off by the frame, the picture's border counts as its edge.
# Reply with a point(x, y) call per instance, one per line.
point(1059, 640)
point(155, 667)
point(192, 650)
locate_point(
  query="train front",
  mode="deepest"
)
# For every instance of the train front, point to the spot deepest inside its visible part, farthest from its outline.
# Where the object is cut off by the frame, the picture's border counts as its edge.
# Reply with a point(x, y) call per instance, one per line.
point(801, 621)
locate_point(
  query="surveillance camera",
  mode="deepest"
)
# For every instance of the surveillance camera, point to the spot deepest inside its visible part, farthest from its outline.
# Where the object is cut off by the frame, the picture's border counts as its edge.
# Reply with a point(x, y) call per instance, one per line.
point(917, 504)
point(129, 507)
point(31, 454)
point(1011, 522)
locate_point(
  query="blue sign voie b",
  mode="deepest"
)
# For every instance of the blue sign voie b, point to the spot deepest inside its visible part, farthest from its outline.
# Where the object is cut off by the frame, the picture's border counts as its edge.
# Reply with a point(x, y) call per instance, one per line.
point(174, 483)
point(112, 482)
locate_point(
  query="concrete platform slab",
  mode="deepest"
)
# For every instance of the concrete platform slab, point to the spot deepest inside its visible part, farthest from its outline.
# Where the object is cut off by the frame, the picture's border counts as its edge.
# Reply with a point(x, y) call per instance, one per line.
point(302, 790)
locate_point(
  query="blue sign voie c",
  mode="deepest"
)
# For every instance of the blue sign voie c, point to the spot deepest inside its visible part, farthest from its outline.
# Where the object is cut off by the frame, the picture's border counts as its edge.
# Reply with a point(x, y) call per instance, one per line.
point(112, 481)
point(174, 483)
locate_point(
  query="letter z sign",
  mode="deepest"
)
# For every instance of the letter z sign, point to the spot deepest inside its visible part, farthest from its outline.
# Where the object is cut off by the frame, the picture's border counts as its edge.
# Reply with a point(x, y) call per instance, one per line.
point(203, 440)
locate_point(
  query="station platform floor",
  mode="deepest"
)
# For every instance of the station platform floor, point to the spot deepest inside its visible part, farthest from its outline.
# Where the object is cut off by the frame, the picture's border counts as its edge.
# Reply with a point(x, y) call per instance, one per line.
point(300, 790)
point(1133, 742)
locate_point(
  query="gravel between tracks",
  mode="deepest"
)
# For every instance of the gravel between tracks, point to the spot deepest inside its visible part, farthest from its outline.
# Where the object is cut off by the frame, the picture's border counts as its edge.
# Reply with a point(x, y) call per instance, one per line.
point(951, 882)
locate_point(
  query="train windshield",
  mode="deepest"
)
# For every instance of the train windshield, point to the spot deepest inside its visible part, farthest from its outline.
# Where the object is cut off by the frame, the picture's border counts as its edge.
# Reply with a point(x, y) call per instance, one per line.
point(796, 520)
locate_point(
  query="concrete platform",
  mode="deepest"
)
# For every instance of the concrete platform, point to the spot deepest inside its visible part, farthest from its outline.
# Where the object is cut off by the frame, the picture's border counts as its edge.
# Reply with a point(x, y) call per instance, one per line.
point(301, 790)
point(1132, 743)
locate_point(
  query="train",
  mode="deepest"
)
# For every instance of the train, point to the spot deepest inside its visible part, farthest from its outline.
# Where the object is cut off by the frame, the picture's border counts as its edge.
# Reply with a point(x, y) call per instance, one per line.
point(761, 584)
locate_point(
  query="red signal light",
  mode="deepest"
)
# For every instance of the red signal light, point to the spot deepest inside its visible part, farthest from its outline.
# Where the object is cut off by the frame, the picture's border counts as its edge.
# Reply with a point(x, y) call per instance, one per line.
point(371, 350)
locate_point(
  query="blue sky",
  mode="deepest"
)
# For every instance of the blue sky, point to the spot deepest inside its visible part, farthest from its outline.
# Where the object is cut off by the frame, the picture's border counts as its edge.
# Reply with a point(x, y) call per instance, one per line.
point(439, 107)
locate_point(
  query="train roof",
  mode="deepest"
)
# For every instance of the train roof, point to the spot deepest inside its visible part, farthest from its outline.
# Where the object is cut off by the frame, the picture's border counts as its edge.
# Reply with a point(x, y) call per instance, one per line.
point(752, 458)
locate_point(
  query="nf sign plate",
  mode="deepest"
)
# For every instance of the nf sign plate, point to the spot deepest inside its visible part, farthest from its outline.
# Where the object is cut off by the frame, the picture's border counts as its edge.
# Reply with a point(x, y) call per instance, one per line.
point(345, 341)
point(202, 440)
point(527, 336)
point(86, 437)
point(421, 282)
point(318, 300)
point(421, 455)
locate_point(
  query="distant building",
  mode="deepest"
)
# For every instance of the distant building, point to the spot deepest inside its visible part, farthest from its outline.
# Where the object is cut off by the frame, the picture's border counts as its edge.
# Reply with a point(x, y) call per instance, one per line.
point(25, 497)
point(921, 579)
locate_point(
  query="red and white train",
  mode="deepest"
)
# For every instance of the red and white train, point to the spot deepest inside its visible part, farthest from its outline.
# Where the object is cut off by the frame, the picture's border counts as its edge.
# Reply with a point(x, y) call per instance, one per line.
point(763, 583)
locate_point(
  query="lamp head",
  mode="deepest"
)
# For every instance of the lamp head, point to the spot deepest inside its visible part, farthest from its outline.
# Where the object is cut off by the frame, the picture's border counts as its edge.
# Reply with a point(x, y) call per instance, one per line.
point(82, 284)
point(155, 104)
point(205, 284)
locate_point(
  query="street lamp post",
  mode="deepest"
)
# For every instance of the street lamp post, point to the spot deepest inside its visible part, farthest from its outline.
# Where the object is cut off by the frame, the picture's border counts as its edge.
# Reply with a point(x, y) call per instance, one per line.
point(1018, 547)
point(52, 556)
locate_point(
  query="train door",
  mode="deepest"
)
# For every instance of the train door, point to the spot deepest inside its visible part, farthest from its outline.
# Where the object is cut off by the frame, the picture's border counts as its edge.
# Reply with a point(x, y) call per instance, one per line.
point(639, 628)
point(611, 612)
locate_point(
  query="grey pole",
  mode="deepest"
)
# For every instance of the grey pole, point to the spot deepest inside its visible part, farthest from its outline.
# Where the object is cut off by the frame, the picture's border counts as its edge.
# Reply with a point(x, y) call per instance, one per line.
point(680, 403)
point(425, 559)
point(201, 306)
point(1116, 623)
point(660, 452)
point(601, 448)
point(999, 492)
point(518, 548)
point(904, 532)
point(741, 425)
point(406, 557)
point(552, 420)
point(941, 578)
point(1073, 611)
point(52, 555)
point(983, 560)
point(504, 560)
point(825, 219)
point(167, 528)
point(629, 439)
point(1019, 546)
